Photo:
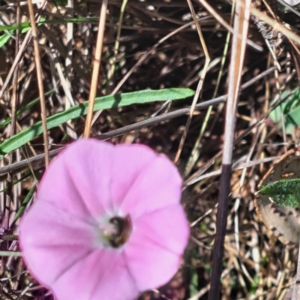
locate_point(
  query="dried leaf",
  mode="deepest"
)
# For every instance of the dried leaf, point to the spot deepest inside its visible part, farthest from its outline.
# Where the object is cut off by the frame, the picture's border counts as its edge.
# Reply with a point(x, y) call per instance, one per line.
point(284, 221)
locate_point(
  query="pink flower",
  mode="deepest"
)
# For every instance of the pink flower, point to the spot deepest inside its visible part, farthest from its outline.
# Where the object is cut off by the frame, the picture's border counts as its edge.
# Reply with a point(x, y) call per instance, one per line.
point(107, 223)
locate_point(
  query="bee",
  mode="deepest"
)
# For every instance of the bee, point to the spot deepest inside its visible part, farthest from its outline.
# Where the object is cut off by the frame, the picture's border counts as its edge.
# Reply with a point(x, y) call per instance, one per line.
point(123, 231)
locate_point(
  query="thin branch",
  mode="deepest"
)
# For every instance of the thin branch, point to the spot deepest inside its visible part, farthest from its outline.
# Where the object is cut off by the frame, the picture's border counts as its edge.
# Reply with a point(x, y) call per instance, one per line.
point(275, 24)
point(195, 154)
point(39, 73)
point(296, 290)
point(96, 69)
point(152, 121)
point(241, 23)
point(200, 83)
point(19, 56)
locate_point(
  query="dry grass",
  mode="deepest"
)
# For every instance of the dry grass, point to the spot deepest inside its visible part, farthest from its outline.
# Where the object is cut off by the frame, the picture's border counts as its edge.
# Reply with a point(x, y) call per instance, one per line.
point(158, 47)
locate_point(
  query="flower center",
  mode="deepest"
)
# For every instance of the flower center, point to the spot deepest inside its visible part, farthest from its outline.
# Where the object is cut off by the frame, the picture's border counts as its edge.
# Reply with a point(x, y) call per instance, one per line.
point(119, 231)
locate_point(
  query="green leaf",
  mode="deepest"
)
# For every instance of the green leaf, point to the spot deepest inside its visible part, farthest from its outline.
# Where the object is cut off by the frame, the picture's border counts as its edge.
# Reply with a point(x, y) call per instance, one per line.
point(24, 204)
point(106, 102)
point(284, 192)
point(193, 282)
point(4, 38)
point(24, 108)
point(290, 108)
point(27, 26)
point(61, 2)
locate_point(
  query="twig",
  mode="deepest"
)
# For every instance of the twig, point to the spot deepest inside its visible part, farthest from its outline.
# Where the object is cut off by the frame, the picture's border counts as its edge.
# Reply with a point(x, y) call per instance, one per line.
point(117, 42)
point(275, 24)
point(296, 290)
point(69, 68)
point(140, 61)
point(195, 154)
point(39, 73)
point(96, 69)
point(174, 114)
point(241, 166)
point(200, 83)
point(151, 50)
point(15, 97)
point(218, 17)
point(19, 56)
point(241, 23)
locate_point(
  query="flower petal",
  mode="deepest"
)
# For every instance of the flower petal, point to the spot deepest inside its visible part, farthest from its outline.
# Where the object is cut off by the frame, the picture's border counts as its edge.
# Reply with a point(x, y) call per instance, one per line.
point(156, 245)
point(52, 239)
point(82, 175)
point(157, 187)
point(102, 274)
point(128, 163)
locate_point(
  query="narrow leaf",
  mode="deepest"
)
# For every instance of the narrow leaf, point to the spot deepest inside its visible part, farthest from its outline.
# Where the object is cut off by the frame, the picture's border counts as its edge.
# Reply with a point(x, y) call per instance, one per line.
point(106, 102)
point(290, 109)
point(26, 25)
point(4, 38)
point(24, 204)
point(24, 108)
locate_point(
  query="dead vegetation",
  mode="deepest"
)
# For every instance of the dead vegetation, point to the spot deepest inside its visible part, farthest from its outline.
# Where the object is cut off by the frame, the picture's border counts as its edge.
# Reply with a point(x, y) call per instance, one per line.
point(158, 47)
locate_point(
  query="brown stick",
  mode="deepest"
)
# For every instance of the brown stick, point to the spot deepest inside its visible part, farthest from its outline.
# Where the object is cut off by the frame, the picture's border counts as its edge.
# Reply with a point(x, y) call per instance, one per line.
point(96, 69)
point(241, 23)
point(39, 73)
